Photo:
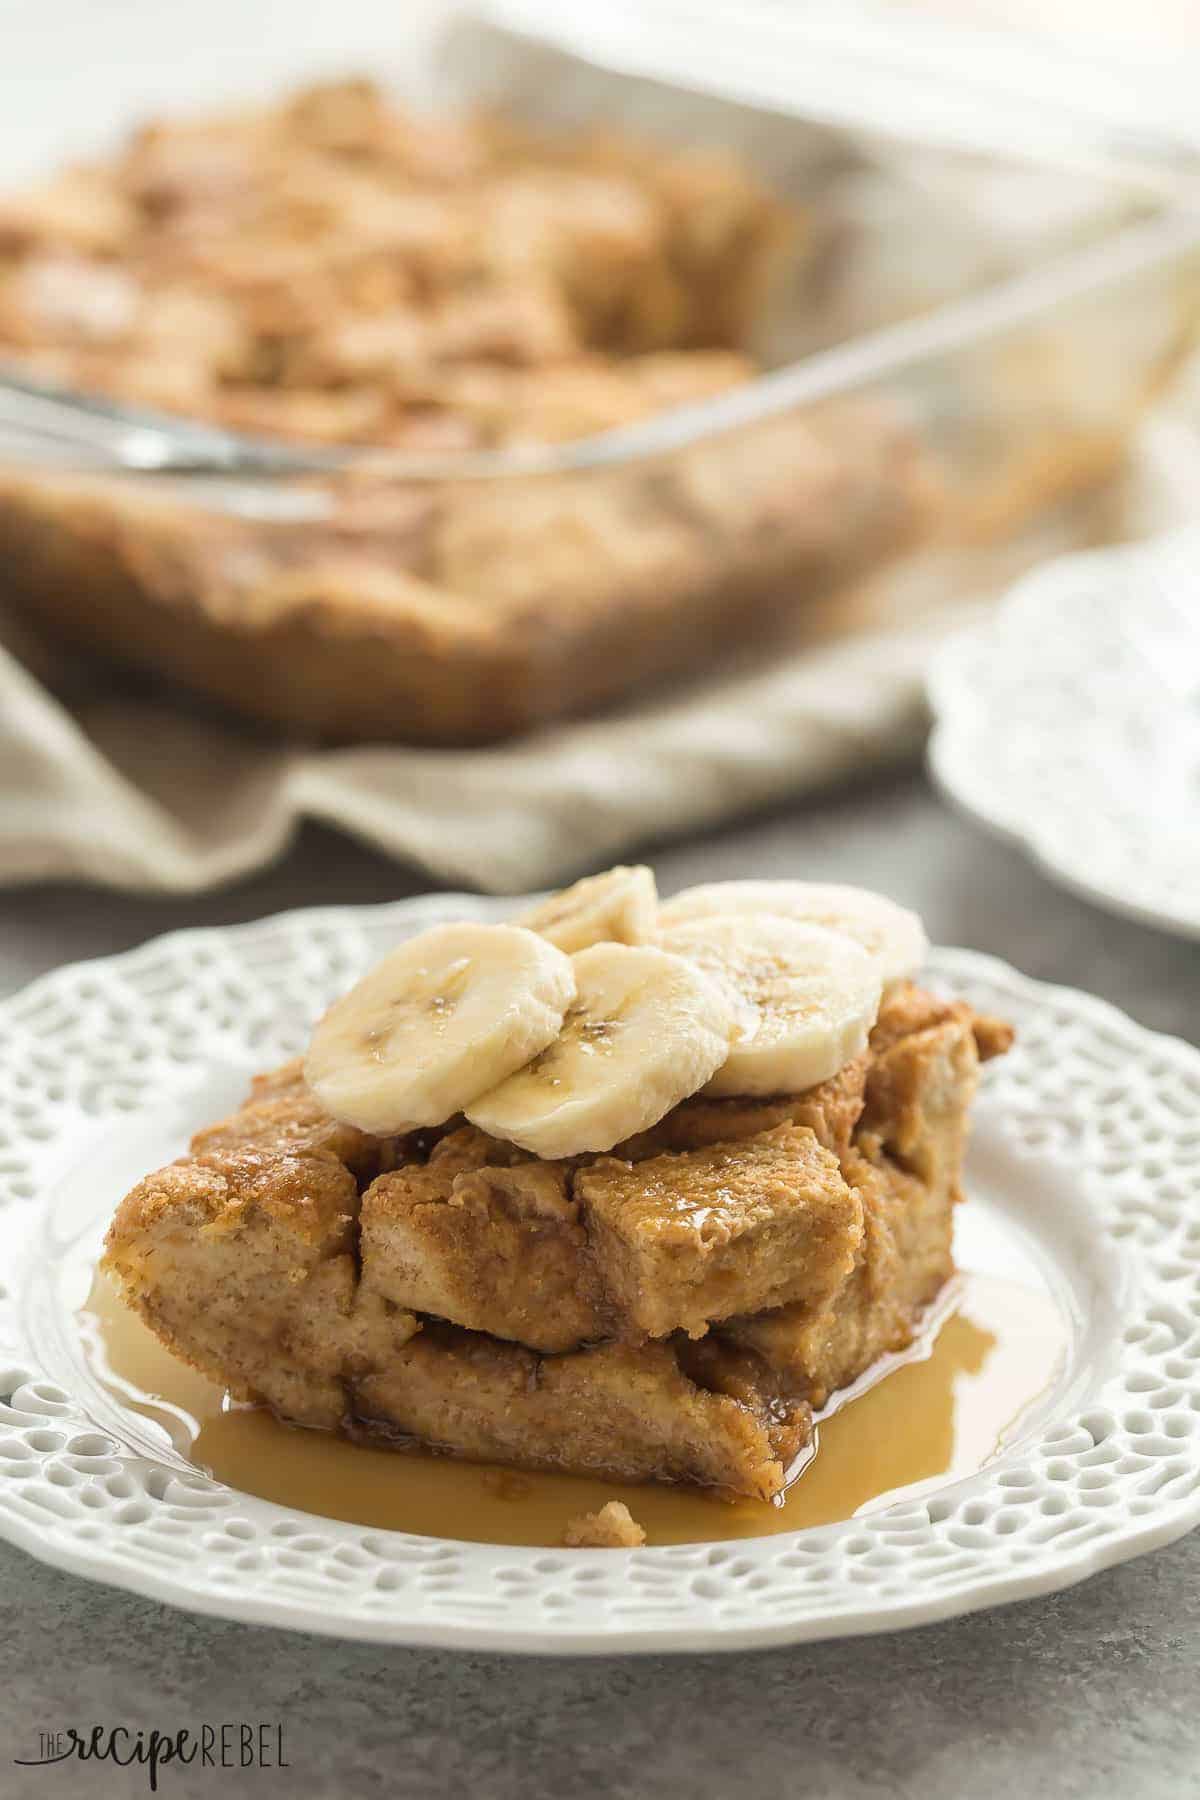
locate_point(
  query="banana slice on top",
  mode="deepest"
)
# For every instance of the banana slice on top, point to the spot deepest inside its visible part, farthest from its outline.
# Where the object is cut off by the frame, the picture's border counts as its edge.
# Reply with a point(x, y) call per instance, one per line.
point(805, 998)
point(894, 936)
point(646, 1030)
point(618, 907)
point(438, 1022)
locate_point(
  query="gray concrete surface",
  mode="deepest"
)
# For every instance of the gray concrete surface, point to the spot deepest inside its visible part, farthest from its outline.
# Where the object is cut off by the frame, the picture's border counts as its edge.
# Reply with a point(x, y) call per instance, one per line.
point(1093, 1692)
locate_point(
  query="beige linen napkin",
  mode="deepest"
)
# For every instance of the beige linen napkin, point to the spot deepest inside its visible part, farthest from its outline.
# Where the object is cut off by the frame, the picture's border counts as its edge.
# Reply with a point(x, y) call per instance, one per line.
point(138, 794)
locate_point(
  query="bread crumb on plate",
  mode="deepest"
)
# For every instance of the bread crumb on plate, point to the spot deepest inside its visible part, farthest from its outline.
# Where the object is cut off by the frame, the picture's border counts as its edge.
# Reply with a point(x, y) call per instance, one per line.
point(612, 1528)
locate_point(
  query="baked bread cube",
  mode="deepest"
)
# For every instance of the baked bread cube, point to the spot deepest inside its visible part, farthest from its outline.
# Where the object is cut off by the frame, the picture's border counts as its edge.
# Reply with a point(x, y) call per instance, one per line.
point(291, 1121)
point(495, 1249)
point(636, 1413)
point(904, 1261)
point(905, 1164)
point(830, 1110)
point(918, 1100)
point(688, 1238)
point(556, 1255)
point(245, 1265)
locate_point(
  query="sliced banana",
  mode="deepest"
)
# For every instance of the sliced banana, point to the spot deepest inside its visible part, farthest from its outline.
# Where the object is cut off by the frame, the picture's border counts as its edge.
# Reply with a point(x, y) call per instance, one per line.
point(646, 1030)
point(618, 907)
point(894, 936)
point(805, 998)
point(437, 1023)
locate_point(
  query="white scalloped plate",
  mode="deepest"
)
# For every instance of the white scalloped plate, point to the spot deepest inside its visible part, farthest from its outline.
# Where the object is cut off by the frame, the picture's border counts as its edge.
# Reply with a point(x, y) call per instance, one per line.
point(1069, 722)
point(1085, 1158)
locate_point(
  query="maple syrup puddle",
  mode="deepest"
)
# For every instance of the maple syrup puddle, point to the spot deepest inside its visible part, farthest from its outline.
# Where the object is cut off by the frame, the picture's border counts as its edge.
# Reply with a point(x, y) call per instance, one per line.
point(935, 1413)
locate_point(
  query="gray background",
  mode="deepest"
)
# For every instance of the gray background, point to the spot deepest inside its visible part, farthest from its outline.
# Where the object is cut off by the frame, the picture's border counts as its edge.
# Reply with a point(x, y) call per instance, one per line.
point(1092, 1692)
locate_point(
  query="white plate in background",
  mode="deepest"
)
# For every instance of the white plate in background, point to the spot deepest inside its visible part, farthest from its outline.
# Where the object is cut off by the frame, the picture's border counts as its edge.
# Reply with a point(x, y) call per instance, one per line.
point(1069, 721)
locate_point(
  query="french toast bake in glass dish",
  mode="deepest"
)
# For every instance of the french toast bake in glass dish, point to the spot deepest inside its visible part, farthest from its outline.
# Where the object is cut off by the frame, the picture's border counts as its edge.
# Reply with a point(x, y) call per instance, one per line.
point(378, 425)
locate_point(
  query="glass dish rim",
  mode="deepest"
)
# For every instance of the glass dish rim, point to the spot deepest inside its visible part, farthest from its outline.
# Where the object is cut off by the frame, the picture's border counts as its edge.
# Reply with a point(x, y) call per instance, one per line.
point(45, 426)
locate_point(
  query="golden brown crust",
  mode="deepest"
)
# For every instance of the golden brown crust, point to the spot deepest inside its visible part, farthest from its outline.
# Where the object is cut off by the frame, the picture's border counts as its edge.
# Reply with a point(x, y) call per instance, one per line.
point(244, 1263)
point(499, 1249)
point(830, 1111)
point(467, 1147)
point(615, 1410)
point(291, 1120)
point(905, 1165)
point(918, 1100)
point(689, 1237)
point(907, 1008)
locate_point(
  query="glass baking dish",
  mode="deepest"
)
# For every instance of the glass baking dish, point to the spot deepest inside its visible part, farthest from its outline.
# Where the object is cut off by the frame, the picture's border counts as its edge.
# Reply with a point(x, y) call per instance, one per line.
point(956, 351)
